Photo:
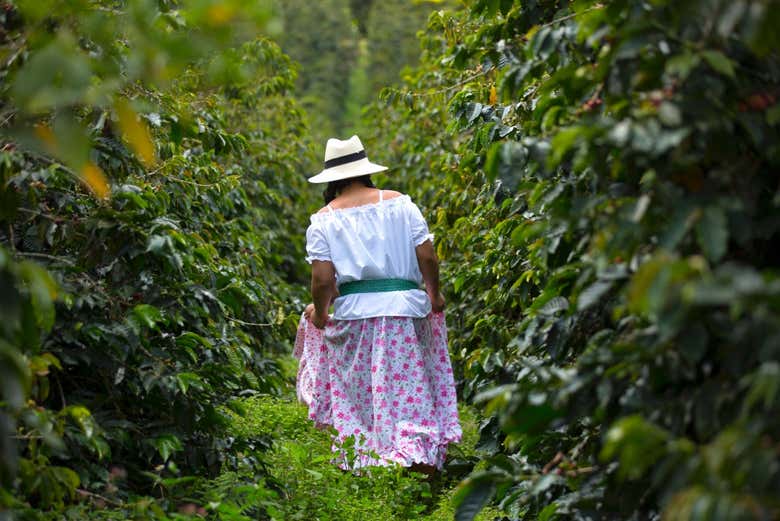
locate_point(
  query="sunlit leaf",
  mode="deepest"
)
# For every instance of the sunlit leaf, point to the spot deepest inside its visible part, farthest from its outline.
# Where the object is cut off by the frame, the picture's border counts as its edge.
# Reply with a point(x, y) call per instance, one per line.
point(96, 180)
point(83, 418)
point(592, 294)
point(136, 132)
point(147, 315)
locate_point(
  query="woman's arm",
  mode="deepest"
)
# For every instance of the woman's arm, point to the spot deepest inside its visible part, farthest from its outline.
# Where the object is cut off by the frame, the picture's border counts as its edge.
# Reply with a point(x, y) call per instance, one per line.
point(323, 290)
point(429, 267)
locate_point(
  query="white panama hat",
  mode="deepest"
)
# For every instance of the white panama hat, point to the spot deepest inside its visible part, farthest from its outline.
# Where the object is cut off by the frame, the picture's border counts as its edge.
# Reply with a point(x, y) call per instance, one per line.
point(345, 159)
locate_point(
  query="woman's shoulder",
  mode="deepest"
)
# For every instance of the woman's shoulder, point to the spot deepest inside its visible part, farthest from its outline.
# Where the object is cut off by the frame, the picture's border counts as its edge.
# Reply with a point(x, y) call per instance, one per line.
point(386, 195)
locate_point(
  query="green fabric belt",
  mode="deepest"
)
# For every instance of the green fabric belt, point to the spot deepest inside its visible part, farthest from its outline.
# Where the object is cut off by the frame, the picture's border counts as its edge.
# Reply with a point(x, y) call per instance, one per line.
point(376, 286)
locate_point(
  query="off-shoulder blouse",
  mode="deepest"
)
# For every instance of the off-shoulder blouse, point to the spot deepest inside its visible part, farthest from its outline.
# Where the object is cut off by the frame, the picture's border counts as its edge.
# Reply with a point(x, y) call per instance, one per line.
point(372, 241)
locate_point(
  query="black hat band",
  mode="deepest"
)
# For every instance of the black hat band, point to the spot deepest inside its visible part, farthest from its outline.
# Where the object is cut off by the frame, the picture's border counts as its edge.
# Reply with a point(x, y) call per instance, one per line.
point(342, 160)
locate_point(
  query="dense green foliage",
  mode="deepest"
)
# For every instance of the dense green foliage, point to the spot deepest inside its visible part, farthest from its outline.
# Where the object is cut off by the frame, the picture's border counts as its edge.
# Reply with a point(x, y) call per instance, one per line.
point(601, 178)
point(161, 191)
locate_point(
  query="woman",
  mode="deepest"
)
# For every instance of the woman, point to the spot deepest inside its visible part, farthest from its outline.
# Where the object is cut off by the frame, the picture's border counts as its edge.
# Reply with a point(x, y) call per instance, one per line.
point(378, 370)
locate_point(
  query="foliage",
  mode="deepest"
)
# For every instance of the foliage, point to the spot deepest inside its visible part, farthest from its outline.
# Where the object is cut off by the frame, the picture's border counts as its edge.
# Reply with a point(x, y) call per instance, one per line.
point(322, 38)
point(151, 163)
point(347, 52)
point(311, 487)
point(600, 175)
point(27, 294)
point(360, 10)
point(391, 27)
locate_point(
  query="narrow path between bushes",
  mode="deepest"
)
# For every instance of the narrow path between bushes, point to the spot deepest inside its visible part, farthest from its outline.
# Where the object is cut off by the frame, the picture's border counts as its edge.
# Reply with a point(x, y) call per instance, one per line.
point(312, 488)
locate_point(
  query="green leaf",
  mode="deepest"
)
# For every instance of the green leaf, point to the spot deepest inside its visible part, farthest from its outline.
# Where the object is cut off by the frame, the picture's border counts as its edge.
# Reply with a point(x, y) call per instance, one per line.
point(712, 233)
point(492, 7)
point(548, 512)
point(192, 340)
point(641, 207)
point(147, 315)
point(471, 497)
point(166, 445)
point(545, 482)
point(40, 364)
point(593, 293)
point(683, 64)
point(57, 75)
point(693, 345)
point(316, 475)
point(474, 110)
point(773, 115)
point(640, 297)
point(506, 6)
point(636, 443)
point(719, 62)
point(43, 292)
point(764, 387)
point(563, 142)
point(530, 419)
point(15, 377)
point(187, 380)
point(82, 417)
point(554, 305)
point(158, 243)
point(66, 477)
point(681, 222)
point(669, 114)
point(620, 133)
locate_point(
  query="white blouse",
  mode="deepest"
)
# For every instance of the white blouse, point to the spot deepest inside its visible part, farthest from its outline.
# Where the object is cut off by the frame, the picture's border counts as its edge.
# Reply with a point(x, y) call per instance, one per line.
point(372, 241)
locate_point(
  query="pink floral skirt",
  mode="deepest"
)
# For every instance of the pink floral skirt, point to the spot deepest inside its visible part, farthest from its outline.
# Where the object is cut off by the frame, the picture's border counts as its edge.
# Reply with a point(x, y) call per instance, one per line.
point(385, 384)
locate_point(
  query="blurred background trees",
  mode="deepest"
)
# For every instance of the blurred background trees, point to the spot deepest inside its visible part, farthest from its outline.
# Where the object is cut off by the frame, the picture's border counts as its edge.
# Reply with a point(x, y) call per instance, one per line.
point(392, 43)
point(348, 52)
point(323, 39)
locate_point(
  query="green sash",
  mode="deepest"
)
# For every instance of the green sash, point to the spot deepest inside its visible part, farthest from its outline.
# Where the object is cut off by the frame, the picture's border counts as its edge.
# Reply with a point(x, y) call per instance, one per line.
point(376, 286)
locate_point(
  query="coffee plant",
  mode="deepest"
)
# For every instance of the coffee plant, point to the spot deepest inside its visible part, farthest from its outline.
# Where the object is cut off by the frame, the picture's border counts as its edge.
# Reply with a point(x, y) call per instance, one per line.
point(601, 178)
point(150, 236)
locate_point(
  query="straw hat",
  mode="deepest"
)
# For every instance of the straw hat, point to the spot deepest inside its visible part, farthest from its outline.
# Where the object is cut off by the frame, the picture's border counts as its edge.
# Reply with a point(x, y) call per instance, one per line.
point(345, 159)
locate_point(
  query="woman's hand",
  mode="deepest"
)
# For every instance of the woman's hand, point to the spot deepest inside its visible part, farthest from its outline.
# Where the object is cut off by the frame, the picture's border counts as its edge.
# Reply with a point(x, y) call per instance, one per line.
point(319, 321)
point(310, 313)
point(437, 302)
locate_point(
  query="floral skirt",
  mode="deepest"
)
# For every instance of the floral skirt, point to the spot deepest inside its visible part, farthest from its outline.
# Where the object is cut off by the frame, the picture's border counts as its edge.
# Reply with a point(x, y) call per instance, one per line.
point(385, 384)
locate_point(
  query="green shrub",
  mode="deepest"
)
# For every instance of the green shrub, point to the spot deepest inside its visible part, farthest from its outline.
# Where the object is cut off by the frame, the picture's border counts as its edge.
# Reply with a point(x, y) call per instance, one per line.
point(157, 180)
point(600, 176)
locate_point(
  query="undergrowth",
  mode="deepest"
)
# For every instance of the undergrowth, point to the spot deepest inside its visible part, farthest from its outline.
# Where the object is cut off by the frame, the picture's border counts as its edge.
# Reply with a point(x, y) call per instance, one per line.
point(311, 487)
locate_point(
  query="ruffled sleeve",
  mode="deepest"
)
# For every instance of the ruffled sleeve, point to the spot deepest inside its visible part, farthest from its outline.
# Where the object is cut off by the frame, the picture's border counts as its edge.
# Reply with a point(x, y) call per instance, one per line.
point(317, 247)
point(419, 227)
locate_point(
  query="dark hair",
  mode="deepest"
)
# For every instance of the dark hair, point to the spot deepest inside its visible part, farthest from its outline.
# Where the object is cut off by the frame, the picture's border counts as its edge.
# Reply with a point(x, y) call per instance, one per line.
point(335, 187)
